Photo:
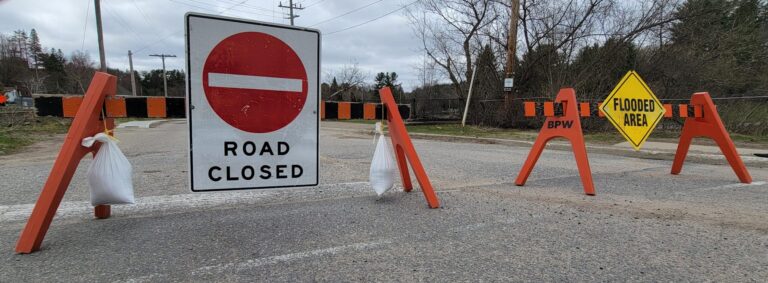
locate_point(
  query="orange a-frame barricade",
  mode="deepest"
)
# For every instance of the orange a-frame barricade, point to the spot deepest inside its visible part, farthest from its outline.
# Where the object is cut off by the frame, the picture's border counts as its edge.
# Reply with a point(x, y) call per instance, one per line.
point(86, 123)
point(567, 126)
point(708, 125)
point(404, 149)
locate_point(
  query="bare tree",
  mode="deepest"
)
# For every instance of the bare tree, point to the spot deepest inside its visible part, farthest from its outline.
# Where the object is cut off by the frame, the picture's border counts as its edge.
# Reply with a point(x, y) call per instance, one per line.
point(559, 30)
point(81, 69)
point(450, 32)
point(349, 76)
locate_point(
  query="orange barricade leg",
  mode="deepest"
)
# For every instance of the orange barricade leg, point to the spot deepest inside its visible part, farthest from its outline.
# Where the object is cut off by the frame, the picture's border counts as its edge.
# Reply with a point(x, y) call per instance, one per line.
point(404, 150)
point(709, 125)
point(86, 123)
point(567, 126)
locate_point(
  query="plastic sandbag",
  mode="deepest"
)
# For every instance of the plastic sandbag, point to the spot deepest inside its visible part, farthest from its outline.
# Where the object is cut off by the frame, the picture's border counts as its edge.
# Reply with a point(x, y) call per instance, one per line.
point(383, 166)
point(110, 173)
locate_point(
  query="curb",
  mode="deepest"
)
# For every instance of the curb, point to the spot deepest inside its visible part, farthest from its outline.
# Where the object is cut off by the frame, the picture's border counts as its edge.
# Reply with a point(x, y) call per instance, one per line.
point(141, 124)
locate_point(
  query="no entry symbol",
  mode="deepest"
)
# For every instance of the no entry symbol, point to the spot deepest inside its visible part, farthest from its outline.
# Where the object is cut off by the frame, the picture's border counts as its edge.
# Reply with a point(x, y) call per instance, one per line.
point(255, 82)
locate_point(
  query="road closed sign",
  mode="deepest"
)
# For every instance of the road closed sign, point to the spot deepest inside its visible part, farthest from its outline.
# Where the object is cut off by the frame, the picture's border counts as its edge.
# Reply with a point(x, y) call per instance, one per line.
point(252, 94)
point(633, 109)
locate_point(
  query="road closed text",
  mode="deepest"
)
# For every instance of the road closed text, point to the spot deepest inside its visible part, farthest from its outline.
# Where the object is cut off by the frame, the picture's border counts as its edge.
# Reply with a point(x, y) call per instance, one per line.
point(258, 150)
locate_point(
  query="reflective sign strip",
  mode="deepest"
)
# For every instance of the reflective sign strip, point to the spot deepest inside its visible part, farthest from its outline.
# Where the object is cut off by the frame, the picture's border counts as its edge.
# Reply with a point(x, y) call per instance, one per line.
point(254, 82)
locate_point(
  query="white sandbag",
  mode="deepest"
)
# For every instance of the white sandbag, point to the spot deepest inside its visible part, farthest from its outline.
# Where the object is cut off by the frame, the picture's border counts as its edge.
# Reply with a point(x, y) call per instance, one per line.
point(383, 166)
point(110, 173)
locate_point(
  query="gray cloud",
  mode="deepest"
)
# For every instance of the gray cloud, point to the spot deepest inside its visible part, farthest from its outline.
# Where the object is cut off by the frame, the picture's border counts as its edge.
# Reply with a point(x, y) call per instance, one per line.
point(157, 26)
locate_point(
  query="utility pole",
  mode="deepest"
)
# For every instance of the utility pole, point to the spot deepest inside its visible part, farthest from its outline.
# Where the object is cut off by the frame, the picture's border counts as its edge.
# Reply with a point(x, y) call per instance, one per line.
point(469, 94)
point(290, 8)
point(512, 47)
point(165, 78)
point(102, 60)
point(133, 79)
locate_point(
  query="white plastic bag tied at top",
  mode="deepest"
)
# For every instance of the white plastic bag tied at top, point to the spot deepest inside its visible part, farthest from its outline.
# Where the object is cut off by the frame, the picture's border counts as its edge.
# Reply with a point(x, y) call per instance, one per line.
point(383, 166)
point(110, 173)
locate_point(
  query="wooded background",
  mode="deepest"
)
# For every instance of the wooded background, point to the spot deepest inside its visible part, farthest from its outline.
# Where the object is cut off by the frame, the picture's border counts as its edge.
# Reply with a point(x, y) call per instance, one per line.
point(678, 47)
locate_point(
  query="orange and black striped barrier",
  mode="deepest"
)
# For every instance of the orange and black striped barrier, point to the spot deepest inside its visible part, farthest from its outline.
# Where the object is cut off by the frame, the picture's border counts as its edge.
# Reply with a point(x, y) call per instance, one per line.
point(563, 120)
point(586, 109)
point(116, 107)
point(357, 110)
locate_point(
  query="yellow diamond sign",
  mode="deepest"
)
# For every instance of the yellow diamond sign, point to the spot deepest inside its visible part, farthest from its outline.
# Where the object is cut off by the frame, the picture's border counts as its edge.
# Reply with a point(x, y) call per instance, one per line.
point(633, 109)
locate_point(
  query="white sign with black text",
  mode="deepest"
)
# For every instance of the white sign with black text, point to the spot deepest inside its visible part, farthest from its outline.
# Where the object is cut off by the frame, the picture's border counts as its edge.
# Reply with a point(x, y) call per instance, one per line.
point(252, 94)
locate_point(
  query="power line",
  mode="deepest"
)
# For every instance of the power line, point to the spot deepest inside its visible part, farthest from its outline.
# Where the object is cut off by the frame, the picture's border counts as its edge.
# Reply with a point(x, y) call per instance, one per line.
point(87, 9)
point(171, 34)
point(214, 5)
point(123, 23)
point(246, 5)
point(374, 19)
point(313, 4)
point(231, 8)
point(347, 13)
point(146, 19)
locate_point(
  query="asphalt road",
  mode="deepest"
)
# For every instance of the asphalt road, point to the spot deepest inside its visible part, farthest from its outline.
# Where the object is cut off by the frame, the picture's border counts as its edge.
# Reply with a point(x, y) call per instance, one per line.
point(643, 225)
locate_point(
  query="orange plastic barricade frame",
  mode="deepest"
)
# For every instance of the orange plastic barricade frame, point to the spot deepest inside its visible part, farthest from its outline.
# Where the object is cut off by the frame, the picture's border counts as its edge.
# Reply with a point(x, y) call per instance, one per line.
point(86, 123)
point(708, 125)
point(404, 149)
point(567, 126)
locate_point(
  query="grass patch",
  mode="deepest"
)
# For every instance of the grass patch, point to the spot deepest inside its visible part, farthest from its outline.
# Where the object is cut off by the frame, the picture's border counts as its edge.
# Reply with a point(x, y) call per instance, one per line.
point(359, 121)
point(16, 137)
point(471, 131)
point(749, 139)
point(10, 144)
point(604, 138)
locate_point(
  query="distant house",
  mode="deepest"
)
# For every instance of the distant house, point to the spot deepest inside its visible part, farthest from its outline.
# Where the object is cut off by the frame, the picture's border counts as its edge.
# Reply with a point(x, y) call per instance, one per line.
point(11, 95)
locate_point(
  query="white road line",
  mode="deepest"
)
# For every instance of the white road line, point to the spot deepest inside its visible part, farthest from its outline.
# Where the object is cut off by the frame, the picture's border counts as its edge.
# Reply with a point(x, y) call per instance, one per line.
point(254, 82)
point(239, 266)
point(733, 186)
point(257, 262)
point(164, 203)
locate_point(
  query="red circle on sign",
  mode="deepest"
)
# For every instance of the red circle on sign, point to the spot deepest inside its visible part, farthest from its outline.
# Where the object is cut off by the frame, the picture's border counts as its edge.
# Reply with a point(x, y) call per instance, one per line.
point(255, 82)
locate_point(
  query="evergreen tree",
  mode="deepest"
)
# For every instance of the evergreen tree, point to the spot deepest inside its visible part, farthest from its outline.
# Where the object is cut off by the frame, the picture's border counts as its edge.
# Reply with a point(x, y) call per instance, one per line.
point(34, 48)
point(487, 86)
point(388, 79)
point(57, 80)
point(722, 46)
point(334, 88)
point(20, 41)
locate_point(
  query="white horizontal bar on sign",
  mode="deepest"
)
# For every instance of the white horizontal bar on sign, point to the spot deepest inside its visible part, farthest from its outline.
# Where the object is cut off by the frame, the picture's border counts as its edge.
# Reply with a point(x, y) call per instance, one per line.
point(254, 82)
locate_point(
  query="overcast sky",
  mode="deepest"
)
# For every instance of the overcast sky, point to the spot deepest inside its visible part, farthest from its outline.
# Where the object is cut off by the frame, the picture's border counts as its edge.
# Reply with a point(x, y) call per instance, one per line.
point(157, 26)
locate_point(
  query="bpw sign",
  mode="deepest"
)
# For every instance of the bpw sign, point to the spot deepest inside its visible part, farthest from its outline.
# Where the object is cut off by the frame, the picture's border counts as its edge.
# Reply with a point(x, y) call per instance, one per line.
point(252, 90)
point(559, 124)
